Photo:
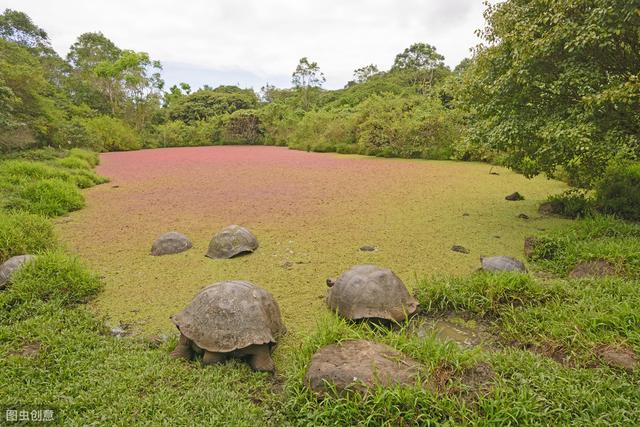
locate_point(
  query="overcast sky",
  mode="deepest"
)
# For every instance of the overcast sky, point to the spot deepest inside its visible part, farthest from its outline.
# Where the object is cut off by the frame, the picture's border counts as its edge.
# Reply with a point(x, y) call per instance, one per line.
point(251, 42)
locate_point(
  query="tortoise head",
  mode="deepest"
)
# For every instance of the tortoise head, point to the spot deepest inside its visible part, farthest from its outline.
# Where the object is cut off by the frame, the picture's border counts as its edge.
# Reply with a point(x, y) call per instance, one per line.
point(331, 281)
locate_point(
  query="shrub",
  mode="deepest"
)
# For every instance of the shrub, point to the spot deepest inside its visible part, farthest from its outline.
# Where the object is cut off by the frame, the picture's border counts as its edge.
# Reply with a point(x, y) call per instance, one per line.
point(618, 192)
point(49, 197)
point(15, 171)
point(242, 127)
point(572, 203)
point(73, 163)
point(86, 155)
point(24, 233)
point(180, 134)
point(110, 134)
point(412, 127)
point(325, 130)
point(54, 277)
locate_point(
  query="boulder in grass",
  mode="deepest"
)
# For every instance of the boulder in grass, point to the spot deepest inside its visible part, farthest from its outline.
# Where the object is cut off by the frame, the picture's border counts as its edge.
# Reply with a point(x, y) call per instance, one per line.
point(359, 365)
point(171, 243)
point(502, 263)
point(12, 265)
point(232, 241)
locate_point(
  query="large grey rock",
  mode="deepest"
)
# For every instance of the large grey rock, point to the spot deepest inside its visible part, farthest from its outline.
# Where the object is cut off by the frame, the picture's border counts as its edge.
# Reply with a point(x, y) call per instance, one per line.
point(11, 266)
point(170, 243)
point(502, 263)
point(231, 241)
point(358, 365)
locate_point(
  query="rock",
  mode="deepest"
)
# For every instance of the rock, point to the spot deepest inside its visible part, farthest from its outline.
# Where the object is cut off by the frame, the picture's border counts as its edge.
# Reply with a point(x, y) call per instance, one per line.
point(359, 365)
point(465, 214)
point(514, 197)
point(618, 357)
point(501, 263)
point(460, 249)
point(523, 216)
point(287, 265)
point(12, 265)
point(597, 268)
point(170, 243)
point(367, 248)
point(118, 331)
point(551, 208)
point(529, 246)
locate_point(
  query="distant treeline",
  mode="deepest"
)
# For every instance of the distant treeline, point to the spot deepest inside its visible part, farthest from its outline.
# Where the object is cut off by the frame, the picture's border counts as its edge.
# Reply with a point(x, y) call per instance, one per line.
point(553, 89)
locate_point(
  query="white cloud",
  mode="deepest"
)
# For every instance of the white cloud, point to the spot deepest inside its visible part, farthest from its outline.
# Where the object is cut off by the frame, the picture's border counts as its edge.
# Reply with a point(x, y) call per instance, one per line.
point(252, 41)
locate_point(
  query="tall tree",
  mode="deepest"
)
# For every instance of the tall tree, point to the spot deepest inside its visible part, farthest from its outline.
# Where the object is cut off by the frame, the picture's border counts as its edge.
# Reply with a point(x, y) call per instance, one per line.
point(306, 76)
point(18, 27)
point(558, 84)
point(362, 74)
point(422, 63)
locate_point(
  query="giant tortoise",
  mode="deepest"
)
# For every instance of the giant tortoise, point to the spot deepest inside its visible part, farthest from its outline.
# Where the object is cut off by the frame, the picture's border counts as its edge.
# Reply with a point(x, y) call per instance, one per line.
point(231, 241)
point(367, 291)
point(230, 319)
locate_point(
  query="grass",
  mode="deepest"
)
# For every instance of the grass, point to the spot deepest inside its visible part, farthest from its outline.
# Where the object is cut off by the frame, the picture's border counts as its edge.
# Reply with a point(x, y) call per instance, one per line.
point(47, 183)
point(56, 353)
point(24, 233)
point(595, 238)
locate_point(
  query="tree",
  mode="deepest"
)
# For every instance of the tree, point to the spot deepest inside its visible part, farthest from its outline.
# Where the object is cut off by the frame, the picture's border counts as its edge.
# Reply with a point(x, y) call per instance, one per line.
point(17, 27)
point(556, 84)
point(129, 86)
point(418, 56)
point(422, 63)
point(205, 103)
point(363, 74)
point(91, 49)
point(306, 76)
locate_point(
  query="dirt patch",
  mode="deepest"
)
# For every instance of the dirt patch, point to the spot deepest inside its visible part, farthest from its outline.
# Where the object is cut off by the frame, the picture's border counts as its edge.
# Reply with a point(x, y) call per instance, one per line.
point(470, 383)
point(620, 357)
point(30, 350)
point(530, 246)
point(597, 268)
point(459, 329)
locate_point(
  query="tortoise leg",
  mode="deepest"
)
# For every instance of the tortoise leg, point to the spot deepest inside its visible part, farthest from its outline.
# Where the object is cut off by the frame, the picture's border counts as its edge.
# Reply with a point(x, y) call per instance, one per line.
point(183, 349)
point(212, 358)
point(260, 359)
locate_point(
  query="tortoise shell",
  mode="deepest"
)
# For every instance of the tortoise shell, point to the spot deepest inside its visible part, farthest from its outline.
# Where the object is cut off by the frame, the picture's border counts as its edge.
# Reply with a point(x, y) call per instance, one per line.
point(368, 291)
point(232, 241)
point(12, 265)
point(231, 315)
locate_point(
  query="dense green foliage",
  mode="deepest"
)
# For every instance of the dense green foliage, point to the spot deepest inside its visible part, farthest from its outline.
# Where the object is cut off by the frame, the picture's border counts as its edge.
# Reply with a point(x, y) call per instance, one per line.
point(557, 85)
point(23, 233)
point(618, 192)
